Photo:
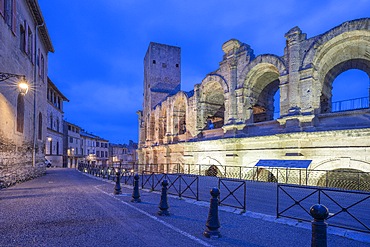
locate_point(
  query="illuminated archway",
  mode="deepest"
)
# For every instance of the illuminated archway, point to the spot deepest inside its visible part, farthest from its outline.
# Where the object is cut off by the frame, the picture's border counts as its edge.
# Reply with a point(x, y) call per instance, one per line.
point(344, 52)
point(260, 87)
point(212, 104)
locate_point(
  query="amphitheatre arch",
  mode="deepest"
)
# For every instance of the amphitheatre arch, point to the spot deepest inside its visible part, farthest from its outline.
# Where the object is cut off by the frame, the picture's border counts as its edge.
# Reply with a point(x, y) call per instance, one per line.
point(260, 86)
point(349, 50)
point(212, 103)
point(179, 114)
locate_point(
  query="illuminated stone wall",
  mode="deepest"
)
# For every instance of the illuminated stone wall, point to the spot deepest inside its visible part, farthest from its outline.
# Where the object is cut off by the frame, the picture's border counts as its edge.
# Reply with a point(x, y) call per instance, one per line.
point(17, 56)
point(229, 116)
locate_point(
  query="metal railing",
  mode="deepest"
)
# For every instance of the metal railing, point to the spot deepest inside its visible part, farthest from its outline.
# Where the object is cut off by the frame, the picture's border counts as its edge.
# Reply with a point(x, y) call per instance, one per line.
point(343, 179)
point(351, 104)
point(347, 209)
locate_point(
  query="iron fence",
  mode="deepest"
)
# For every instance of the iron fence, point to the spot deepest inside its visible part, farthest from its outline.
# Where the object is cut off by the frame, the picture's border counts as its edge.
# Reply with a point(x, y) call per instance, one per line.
point(233, 193)
point(347, 209)
point(342, 179)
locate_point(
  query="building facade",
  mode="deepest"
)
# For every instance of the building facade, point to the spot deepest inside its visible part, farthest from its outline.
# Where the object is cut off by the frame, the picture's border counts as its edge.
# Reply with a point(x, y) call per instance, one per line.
point(95, 149)
point(24, 48)
point(123, 154)
point(73, 145)
point(231, 119)
point(54, 138)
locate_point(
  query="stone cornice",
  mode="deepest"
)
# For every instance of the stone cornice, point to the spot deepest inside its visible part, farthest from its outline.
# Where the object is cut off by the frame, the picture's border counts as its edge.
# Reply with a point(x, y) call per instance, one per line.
point(39, 20)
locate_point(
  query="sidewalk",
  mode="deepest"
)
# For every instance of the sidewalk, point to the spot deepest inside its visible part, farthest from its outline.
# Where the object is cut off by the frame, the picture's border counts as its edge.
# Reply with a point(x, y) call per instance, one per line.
point(237, 229)
point(68, 208)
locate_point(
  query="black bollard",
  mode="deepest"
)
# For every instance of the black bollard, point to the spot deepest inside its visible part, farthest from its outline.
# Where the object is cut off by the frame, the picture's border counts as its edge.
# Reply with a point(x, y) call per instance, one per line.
point(163, 204)
point(213, 222)
point(319, 227)
point(135, 193)
point(117, 187)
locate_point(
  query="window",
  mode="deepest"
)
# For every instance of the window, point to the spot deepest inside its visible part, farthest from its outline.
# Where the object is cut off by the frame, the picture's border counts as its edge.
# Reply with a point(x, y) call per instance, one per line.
point(40, 126)
point(51, 121)
point(22, 38)
point(57, 124)
point(51, 147)
point(29, 43)
point(97, 153)
point(20, 113)
point(154, 61)
point(177, 65)
point(43, 68)
point(97, 144)
point(71, 139)
point(57, 148)
point(10, 14)
point(2, 8)
point(106, 154)
point(69, 127)
point(102, 145)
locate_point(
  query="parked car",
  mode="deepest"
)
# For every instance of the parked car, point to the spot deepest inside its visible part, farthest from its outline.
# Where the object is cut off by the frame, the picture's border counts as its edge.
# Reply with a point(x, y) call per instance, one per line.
point(47, 163)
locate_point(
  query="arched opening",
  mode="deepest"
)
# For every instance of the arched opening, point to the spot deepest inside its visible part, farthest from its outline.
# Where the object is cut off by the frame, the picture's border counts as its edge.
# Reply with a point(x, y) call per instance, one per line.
point(346, 87)
point(213, 171)
point(265, 175)
point(179, 117)
point(349, 179)
point(212, 105)
point(264, 107)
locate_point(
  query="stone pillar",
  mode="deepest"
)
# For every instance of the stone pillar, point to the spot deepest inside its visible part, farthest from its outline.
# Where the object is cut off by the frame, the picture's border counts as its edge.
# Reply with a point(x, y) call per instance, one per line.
point(232, 63)
point(294, 39)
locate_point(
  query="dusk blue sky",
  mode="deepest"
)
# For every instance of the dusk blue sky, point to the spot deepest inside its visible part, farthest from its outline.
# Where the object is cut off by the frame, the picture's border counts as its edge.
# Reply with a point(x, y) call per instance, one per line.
point(100, 47)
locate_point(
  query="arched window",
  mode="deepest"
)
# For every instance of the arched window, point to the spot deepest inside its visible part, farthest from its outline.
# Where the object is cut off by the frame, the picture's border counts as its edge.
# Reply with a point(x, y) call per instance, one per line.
point(20, 113)
point(40, 126)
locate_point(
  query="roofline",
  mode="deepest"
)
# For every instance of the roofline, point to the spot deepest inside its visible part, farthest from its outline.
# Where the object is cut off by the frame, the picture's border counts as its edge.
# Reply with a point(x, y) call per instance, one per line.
point(56, 89)
point(39, 19)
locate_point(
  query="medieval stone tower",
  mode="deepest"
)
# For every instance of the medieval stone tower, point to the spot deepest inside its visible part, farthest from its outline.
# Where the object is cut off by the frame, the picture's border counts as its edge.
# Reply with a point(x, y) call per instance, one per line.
point(162, 78)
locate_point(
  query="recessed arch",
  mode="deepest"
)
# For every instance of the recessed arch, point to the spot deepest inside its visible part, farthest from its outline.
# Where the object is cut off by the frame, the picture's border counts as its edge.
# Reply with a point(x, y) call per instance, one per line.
point(260, 86)
point(179, 114)
point(212, 105)
point(349, 50)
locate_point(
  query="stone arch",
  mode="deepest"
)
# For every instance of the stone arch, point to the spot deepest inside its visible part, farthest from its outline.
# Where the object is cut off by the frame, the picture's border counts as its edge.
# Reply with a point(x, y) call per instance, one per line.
point(348, 50)
point(359, 24)
point(261, 59)
point(179, 114)
point(212, 103)
point(342, 163)
point(209, 165)
point(212, 77)
point(260, 86)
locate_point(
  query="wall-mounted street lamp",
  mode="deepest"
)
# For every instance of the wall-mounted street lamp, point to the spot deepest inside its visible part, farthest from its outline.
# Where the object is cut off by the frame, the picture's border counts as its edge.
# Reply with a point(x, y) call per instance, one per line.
point(22, 83)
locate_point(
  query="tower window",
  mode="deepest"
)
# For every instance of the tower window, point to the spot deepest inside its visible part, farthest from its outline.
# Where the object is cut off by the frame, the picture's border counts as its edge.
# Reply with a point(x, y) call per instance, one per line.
point(154, 61)
point(177, 65)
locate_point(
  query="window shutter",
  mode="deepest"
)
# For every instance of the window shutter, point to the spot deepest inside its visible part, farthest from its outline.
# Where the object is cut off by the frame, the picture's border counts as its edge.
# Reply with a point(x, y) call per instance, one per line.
point(14, 16)
point(2, 4)
point(25, 37)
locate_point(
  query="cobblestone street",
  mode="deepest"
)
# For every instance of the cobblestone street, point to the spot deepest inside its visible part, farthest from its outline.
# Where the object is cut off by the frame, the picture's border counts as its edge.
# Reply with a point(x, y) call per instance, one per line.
point(67, 208)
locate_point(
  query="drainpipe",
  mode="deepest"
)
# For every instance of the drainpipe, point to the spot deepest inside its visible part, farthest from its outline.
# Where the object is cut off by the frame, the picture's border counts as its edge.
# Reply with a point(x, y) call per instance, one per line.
point(34, 96)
